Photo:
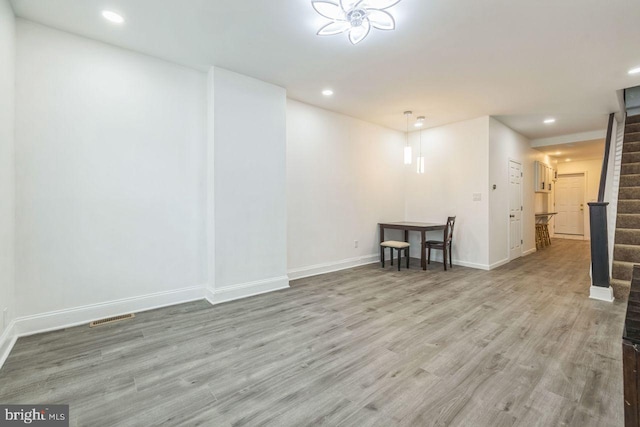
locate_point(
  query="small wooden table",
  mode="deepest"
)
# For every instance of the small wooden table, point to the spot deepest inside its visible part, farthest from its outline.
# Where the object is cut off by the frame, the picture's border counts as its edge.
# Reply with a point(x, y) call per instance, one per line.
point(421, 227)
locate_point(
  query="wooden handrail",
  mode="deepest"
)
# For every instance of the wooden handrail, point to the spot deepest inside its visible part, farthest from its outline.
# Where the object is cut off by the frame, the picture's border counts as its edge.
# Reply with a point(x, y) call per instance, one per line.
point(605, 161)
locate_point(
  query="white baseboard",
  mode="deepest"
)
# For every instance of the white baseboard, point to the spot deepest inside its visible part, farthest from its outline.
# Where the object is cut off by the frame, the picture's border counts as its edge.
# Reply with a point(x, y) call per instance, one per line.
point(602, 294)
point(529, 251)
point(499, 263)
point(7, 341)
point(330, 267)
point(45, 322)
point(570, 236)
point(244, 290)
point(437, 257)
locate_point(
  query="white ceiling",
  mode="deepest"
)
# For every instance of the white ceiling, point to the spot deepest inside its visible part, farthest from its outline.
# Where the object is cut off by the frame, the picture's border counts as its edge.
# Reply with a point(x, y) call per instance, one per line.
point(575, 151)
point(450, 60)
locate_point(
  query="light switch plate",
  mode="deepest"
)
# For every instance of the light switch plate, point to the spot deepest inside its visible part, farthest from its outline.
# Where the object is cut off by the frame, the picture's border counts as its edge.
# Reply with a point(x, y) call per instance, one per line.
point(477, 197)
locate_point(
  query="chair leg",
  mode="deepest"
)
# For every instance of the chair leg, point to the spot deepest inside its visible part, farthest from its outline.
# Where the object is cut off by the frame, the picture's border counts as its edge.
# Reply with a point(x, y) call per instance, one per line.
point(444, 257)
point(429, 255)
point(391, 253)
point(399, 258)
point(382, 256)
point(406, 253)
point(450, 261)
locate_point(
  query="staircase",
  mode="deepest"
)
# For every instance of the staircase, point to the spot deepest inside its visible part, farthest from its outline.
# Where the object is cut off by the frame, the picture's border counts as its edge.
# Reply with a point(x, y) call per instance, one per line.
point(627, 243)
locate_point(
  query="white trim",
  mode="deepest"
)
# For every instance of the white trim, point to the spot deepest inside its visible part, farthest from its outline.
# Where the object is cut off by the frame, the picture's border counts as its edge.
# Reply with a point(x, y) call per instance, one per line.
point(244, 290)
point(529, 251)
point(601, 294)
point(7, 341)
point(569, 236)
point(567, 139)
point(330, 267)
point(437, 257)
point(54, 320)
point(501, 263)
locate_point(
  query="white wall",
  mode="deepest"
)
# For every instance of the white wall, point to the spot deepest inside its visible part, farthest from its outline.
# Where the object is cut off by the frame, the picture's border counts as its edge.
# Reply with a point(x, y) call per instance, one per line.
point(110, 161)
point(505, 144)
point(343, 177)
point(456, 166)
point(592, 169)
point(7, 166)
point(249, 181)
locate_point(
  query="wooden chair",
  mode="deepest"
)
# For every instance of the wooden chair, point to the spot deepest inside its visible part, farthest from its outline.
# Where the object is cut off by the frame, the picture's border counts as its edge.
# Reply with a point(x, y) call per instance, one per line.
point(444, 245)
point(399, 246)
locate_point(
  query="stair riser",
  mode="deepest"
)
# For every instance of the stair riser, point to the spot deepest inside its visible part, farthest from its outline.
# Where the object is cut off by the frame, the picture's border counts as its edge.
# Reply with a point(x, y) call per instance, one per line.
point(629, 193)
point(628, 206)
point(631, 137)
point(627, 237)
point(632, 128)
point(633, 157)
point(622, 271)
point(632, 119)
point(630, 168)
point(627, 253)
point(630, 147)
point(630, 181)
point(628, 221)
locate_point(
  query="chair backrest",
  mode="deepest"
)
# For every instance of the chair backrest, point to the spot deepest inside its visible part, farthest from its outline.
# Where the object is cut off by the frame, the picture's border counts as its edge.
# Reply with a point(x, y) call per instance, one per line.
point(448, 230)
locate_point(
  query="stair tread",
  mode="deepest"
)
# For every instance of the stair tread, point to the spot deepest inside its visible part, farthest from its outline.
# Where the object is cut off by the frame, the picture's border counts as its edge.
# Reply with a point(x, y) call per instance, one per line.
point(628, 263)
point(628, 245)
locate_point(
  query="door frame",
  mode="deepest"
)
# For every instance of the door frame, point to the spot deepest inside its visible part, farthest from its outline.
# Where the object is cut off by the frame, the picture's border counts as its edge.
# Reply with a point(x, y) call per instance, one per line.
point(585, 211)
point(522, 251)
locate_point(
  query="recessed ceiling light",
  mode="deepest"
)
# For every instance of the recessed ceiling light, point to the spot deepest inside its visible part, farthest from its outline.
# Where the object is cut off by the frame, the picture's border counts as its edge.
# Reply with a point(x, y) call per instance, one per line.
point(112, 17)
point(327, 92)
point(558, 153)
point(549, 121)
point(567, 160)
point(634, 70)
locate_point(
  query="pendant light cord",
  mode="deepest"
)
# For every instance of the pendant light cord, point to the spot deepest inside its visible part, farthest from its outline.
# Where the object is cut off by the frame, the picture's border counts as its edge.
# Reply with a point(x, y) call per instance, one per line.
point(407, 116)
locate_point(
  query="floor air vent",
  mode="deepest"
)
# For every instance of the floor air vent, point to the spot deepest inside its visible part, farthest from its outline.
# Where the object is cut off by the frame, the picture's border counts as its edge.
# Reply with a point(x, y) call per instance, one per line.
point(109, 320)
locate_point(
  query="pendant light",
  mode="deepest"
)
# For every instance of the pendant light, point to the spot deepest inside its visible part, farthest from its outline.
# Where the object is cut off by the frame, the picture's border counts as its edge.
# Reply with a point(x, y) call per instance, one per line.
point(420, 161)
point(407, 149)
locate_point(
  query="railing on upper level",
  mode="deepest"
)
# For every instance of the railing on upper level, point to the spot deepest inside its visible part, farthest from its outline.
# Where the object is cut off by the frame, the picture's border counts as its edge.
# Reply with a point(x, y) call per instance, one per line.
point(598, 222)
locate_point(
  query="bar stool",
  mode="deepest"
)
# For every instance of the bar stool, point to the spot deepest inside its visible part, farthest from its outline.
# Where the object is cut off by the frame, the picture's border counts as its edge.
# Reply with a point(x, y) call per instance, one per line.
point(399, 246)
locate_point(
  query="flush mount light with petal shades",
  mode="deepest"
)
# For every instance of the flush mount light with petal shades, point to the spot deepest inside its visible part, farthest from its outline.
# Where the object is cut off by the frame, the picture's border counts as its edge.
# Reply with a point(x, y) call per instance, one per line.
point(355, 17)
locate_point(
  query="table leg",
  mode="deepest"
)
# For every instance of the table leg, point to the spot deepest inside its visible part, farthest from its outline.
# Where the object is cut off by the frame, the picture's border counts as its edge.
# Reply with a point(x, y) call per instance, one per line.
point(381, 248)
point(423, 254)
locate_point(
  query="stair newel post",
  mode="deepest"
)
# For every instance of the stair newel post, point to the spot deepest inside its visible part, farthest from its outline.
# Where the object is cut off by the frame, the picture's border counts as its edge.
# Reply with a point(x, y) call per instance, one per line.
point(599, 244)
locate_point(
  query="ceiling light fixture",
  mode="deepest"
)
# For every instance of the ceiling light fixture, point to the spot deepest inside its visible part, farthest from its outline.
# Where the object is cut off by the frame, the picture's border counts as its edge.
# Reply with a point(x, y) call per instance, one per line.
point(355, 17)
point(634, 70)
point(420, 122)
point(112, 17)
point(567, 160)
point(549, 121)
point(407, 148)
point(327, 92)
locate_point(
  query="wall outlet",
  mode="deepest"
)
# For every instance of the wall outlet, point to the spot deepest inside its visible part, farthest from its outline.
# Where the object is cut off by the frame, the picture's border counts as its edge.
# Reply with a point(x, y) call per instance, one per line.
point(355, 244)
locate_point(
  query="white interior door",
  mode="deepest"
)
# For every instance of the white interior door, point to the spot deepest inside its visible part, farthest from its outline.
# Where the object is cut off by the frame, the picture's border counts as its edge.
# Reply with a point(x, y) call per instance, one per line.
point(515, 210)
point(570, 204)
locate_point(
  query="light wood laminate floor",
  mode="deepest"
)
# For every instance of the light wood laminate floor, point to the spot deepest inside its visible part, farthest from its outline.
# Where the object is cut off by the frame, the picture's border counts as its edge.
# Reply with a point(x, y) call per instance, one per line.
point(520, 345)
